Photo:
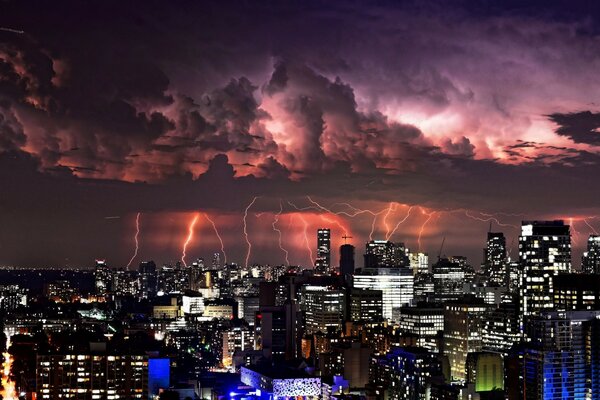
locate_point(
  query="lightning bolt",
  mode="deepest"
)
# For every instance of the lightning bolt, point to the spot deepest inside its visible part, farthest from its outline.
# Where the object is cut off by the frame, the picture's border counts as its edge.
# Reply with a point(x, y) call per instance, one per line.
point(423, 226)
point(392, 207)
point(590, 226)
point(189, 238)
point(218, 237)
point(488, 218)
point(275, 220)
point(246, 230)
point(310, 253)
point(332, 221)
point(356, 211)
point(137, 243)
point(388, 237)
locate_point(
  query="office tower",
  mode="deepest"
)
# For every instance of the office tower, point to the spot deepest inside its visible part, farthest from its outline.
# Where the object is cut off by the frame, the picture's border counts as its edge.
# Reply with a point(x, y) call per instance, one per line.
point(347, 259)
point(419, 263)
point(590, 262)
point(405, 373)
point(424, 322)
point(424, 288)
point(366, 305)
point(560, 361)
point(350, 360)
point(92, 375)
point(324, 308)
point(576, 292)
point(463, 325)
point(147, 279)
point(216, 261)
point(276, 330)
point(385, 254)
point(323, 261)
point(494, 264)
point(544, 251)
point(515, 277)
point(448, 280)
point(102, 277)
point(396, 285)
point(198, 277)
point(125, 283)
point(501, 328)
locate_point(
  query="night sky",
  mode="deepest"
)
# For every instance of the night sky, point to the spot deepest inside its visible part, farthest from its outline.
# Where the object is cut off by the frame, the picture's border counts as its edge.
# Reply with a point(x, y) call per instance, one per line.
point(408, 121)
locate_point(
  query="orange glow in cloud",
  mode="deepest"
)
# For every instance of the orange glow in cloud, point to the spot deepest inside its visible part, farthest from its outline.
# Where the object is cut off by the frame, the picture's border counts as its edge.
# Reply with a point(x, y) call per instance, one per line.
point(279, 235)
point(389, 236)
point(306, 241)
point(189, 238)
point(429, 215)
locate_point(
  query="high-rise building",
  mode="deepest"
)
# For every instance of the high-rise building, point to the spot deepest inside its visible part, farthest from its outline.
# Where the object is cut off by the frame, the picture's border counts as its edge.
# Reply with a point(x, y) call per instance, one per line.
point(576, 292)
point(501, 328)
point(463, 328)
point(424, 322)
point(366, 305)
point(544, 251)
point(347, 259)
point(385, 254)
point(419, 263)
point(148, 279)
point(276, 330)
point(396, 285)
point(323, 261)
point(494, 263)
point(324, 308)
point(448, 280)
point(102, 277)
point(561, 359)
point(590, 262)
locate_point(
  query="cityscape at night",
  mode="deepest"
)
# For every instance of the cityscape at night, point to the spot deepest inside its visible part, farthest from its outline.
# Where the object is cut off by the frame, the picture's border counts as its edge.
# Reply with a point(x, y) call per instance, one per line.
point(309, 200)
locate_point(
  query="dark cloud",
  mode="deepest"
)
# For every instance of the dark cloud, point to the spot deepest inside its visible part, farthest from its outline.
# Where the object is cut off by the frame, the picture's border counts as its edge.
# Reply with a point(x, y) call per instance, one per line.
point(581, 127)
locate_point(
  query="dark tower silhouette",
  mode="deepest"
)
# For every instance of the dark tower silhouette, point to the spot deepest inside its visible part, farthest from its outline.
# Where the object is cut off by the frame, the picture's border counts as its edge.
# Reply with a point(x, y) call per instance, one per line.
point(346, 259)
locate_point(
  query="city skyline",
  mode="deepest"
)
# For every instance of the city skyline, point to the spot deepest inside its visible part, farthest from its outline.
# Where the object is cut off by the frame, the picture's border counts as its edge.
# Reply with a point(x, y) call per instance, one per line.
point(469, 113)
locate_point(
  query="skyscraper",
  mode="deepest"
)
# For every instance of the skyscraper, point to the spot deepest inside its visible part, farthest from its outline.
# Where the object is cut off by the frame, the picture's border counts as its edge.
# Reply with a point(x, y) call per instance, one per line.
point(590, 262)
point(494, 264)
point(544, 251)
point(383, 253)
point(448, 280)
point(323, 262)
point(346, 259)
point(396, 285)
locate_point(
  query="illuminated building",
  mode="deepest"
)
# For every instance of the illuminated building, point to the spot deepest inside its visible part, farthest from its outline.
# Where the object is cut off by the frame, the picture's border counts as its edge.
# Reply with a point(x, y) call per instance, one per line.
point(95, 375)
point(501, 328)
point(366, 305)
point(167, 311)
point(494, 264)
point(220, 309)
point(324, 308)
point(424, 288)
point(448, 280)
point(544, 251)
point(561, 359)
point(486, 371)
point(12, 297)
point(347, 264)
point(323, 261)
point(148, 279)
point(238, 337)
point(102, 277)
point(125, 283)
point(60, 291)
point(576, 292)
point(396, 285)
point(463, 325)
point(405, 373)
point(419, 263)
point(385, 254)
point(590, 261)
point(425, 322)
point(192, 304)
point(279, 382)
